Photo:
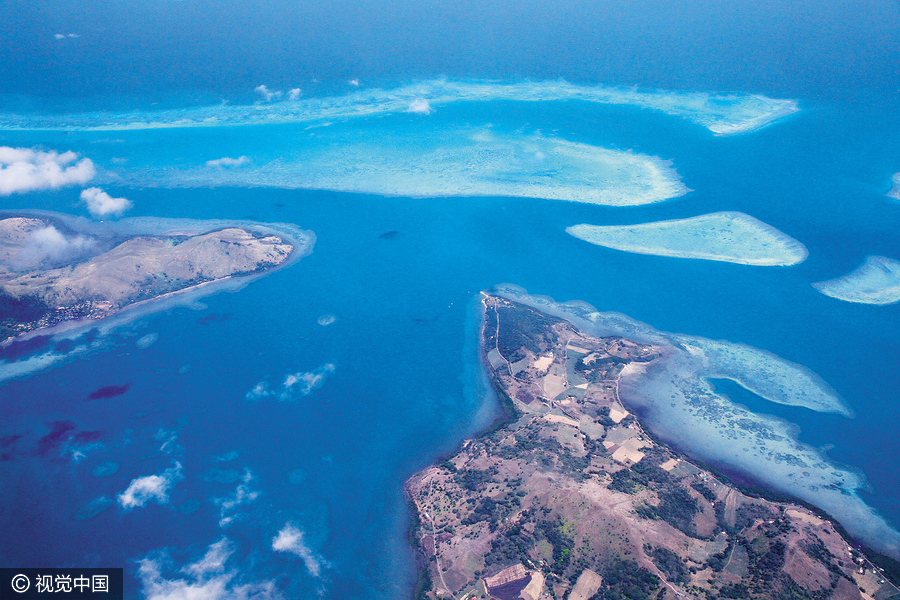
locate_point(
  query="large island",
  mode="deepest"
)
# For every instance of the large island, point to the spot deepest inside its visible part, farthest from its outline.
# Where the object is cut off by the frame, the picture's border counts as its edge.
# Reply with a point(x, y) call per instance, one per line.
point(50, 273)
point(569, 497)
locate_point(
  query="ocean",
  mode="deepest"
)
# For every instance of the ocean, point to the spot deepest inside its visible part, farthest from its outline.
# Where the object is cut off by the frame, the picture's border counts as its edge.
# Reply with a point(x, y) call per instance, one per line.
point(396, 376)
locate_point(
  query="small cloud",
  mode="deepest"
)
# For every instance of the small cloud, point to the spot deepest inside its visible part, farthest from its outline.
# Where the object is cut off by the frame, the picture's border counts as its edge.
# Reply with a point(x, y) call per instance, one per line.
point(50, 246)
point(267, 94)
point(207, 579)
point(59, 36)
point(150, 488)
point(302, 383)
point(290, 539)
point(260, 390)
point(229, 505)
point(101, 204)
point(420, 107)
point(326, 320)
point(354, 82)
point(73, 35)
point(25, 170)
point(294, 94)
point(226, 161)
point(305, 383)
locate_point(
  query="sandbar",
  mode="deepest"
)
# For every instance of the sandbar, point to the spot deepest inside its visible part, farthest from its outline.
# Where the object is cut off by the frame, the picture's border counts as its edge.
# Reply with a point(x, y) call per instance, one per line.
point(722, 114)
point(876, 281)
point(444, 160)
point(724, 236)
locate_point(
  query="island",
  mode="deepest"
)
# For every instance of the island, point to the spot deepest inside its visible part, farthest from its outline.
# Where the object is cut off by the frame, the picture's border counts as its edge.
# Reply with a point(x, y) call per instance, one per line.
point(51, 273)
point(723, 236)
point(568, 496)
point(876, 281)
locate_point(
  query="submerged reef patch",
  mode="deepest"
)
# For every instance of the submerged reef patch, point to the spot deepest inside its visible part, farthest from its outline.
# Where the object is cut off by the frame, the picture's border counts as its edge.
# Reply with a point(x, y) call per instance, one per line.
point(444, 160)
point(723, 114)
point(680, 405)
point(724, 236)
point(876, 281)
point(894, 192)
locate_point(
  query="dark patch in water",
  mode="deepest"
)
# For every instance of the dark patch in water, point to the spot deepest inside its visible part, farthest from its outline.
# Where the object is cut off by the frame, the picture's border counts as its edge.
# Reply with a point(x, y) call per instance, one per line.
point(19, 349)
point(389, 235)
point(64, 346)
point(87, 436)
point(59, 433)
point(109, 391)
point(62, 432)
point(425, 320)
point(6, 445)
point(213, 318)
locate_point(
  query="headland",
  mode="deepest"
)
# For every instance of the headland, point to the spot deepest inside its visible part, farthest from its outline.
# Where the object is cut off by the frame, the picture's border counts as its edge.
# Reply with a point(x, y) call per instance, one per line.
point(569, 496)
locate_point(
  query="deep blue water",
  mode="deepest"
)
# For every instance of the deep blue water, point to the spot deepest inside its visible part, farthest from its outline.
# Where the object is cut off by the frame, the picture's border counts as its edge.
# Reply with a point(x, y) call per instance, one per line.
point(400, 396)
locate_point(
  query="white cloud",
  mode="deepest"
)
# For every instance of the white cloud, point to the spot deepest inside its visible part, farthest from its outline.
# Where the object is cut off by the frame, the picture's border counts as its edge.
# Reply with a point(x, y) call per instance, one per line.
point(294, 94)
point(25, 170)
point(50, 245)
point(260, 390)
point(59, 36)
point(229, 505)
point(226, 161)
point(290, 539)
point(152, 487)
point(74, 35)
point(101, 204)
point(208, 579)
point(302, 383)
point(267, 94)
point(354, 82)
point(420, 107)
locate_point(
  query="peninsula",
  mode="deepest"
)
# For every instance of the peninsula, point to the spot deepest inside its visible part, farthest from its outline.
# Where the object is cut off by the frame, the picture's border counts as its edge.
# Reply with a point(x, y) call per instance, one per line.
point(50, 273)
point(569, 497)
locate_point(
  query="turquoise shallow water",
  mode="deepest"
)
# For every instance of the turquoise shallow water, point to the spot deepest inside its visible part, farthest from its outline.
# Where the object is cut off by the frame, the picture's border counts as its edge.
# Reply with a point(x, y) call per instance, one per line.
point(333, 462)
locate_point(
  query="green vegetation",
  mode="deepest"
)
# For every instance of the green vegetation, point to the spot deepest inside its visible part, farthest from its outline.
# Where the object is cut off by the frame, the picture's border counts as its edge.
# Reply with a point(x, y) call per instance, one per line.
point(669, 563)
point(704, 491)
point(510, 547)
point(641, 475)
point(562, 544)
point(626, 580)
point(717, 562)
point(424, 584)
point(676, 507)
point(523, 328)
point(473, 479)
